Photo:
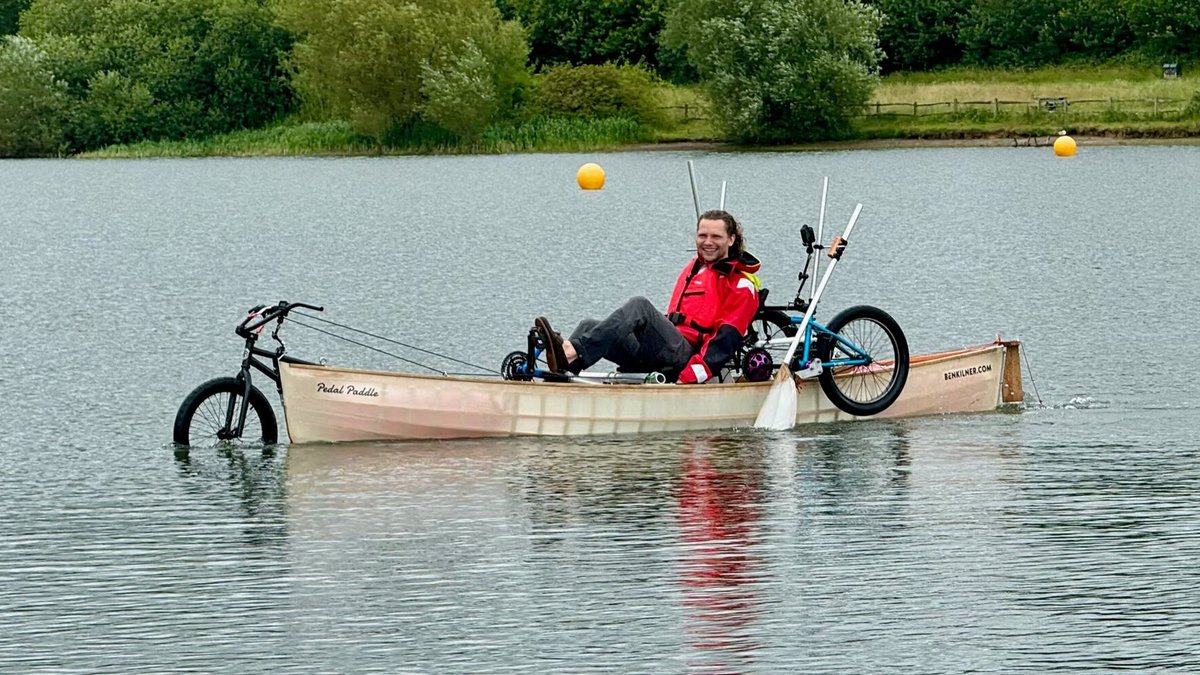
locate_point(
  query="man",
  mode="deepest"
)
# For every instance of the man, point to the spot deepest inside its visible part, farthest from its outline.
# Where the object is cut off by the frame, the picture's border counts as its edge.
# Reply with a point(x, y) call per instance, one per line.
point(715, 298)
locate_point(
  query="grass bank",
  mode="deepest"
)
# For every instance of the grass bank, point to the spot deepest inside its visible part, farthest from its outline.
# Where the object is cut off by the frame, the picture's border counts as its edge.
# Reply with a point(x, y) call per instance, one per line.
point(1115, 100)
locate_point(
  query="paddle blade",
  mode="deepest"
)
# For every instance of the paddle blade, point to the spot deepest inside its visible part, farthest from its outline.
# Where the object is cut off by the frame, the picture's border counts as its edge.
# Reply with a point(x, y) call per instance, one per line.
point(778, 412)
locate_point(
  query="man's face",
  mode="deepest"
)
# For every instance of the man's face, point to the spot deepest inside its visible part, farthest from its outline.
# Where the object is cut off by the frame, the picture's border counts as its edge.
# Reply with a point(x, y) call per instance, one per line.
point(712, 243)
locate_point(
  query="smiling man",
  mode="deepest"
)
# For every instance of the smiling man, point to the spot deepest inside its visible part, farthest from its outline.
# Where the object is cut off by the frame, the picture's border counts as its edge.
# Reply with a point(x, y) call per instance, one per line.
point(711, 307)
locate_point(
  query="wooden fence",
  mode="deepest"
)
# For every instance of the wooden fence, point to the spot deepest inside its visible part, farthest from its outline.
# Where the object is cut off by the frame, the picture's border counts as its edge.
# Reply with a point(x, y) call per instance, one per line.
point(1154, 106)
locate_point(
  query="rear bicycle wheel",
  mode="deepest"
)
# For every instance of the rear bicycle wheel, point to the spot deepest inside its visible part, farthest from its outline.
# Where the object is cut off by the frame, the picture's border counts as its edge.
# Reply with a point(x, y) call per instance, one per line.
point(202, 417)
point(771, 329)
point(875, 380)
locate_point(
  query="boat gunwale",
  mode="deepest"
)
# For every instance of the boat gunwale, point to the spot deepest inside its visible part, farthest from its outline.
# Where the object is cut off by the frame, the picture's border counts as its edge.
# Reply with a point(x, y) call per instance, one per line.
point(494, 380)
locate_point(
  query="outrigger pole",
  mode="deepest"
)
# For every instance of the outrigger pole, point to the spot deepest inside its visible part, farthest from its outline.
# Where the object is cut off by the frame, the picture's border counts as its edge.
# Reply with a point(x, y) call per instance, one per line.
point(695, 194)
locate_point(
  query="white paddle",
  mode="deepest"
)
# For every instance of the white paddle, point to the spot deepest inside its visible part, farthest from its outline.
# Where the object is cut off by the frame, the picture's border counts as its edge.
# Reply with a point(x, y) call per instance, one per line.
point(778, 412)
point(820, 233)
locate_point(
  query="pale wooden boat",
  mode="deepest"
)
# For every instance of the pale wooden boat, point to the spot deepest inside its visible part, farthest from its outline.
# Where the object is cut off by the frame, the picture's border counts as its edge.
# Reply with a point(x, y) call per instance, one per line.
point(324, 404)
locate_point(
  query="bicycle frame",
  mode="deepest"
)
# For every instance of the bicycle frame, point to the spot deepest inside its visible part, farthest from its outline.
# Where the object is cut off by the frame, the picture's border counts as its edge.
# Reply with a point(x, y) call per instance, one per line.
point(250, 328)
point(857, 357)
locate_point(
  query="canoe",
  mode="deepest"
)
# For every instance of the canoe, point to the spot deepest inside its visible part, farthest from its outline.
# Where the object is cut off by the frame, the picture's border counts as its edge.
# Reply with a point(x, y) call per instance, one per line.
point(328, 404)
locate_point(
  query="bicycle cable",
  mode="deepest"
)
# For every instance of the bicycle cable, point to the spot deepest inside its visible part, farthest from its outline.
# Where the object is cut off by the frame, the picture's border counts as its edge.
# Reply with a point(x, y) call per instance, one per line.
point(384, 339)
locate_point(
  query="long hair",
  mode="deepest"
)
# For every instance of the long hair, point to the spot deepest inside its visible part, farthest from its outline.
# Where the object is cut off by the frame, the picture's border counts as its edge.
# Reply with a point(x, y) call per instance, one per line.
point(732, 228)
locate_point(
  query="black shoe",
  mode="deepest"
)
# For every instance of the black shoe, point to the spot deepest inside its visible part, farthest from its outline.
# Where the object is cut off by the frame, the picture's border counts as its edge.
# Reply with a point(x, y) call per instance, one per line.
point(556, 358)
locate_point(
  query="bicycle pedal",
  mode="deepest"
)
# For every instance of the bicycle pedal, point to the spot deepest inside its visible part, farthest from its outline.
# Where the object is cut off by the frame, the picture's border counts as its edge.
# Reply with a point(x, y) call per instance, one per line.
point(811, 371)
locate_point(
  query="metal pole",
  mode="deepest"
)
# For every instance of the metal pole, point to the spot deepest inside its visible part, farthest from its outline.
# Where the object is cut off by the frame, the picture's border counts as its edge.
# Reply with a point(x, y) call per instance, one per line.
point(820, 226)
point(695, 195)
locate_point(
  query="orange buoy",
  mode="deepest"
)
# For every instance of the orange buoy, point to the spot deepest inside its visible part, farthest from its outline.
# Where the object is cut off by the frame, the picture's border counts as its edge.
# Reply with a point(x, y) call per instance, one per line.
point(590, 176)
point(1064, 146)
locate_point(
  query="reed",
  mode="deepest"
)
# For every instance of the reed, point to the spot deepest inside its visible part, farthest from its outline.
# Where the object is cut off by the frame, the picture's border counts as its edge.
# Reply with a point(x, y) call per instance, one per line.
point(306, 138)
point(339, 138)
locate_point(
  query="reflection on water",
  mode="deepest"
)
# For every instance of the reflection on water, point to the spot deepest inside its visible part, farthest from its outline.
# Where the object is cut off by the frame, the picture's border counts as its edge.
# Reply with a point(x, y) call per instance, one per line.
point(683, 550)
point(719, 509)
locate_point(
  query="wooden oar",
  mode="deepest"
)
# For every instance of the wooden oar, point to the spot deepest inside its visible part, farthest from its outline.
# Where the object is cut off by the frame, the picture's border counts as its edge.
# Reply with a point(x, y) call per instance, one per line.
point(778, 411)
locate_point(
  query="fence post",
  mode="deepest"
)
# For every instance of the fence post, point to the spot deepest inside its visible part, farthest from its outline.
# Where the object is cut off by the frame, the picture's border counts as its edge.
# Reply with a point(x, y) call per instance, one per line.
point(956, 106)
point(1110, 104)
point(1156, 106)
point(914, 108)
point(995, 106)
point(876, 107)
point(685, 112)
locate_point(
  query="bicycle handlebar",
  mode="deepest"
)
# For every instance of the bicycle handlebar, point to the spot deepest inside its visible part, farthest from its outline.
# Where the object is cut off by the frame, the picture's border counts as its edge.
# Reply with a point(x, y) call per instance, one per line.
point(261, 315)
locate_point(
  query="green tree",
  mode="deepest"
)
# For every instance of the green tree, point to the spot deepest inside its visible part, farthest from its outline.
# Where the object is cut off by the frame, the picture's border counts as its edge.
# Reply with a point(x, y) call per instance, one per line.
point(1093, 30)
point(1011, 33)
point(1168, 29)
point(32, 101)
point(921, 34)
point(384, 63)
point(170, 68)
point(595, 32)
point(781, 70)
point(10, 12)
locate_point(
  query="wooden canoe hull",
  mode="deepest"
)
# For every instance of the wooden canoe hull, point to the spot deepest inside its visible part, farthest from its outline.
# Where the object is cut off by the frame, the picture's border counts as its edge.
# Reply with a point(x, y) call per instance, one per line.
point(323, 404)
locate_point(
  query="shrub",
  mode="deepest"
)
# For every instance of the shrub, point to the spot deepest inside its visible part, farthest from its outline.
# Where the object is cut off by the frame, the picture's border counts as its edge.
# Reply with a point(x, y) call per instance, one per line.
point(781, 71)
point(598, 92)
point(32, 101)
point(384, 64)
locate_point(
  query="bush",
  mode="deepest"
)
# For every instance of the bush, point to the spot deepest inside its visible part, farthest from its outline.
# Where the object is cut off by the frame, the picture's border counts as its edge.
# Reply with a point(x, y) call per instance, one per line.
point(32, 101)
point(169, 68)
point(780, 71)
point(384, 64)
point(598, 92)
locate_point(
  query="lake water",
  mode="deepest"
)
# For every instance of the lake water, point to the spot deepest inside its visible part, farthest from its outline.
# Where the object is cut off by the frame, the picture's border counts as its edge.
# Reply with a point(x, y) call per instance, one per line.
point(1064, 537)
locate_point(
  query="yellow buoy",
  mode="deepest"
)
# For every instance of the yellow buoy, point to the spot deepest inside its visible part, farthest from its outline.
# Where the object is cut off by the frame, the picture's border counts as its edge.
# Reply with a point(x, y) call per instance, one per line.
point(590, 176)
point(1064, 146)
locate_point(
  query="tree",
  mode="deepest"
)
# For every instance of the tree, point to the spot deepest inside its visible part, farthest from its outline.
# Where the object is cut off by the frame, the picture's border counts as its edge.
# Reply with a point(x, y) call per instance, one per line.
point(595, 32)
point(10, 12)
point(170, 68)
point(1090, 29)
point(921, 34)
point(32, 101)
point(387, 63)
point(1011, 33)
point(781, 70)
point(1168, 29)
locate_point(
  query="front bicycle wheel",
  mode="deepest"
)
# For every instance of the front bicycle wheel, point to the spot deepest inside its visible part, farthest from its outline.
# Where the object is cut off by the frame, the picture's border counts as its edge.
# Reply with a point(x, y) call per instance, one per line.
point(866, 366)
point(203, 418)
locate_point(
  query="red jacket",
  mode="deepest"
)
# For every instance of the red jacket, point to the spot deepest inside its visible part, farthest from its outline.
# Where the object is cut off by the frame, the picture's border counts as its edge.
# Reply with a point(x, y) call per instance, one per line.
point(717, 303)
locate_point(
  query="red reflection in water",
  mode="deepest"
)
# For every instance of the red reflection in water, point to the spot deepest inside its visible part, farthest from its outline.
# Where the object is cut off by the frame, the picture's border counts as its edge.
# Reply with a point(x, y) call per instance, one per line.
point(717, 511)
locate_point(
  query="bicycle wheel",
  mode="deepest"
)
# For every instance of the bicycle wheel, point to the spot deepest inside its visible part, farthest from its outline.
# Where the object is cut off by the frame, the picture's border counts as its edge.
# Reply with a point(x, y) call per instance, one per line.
point(201, 418)
point(768, 330)
point(864, 389)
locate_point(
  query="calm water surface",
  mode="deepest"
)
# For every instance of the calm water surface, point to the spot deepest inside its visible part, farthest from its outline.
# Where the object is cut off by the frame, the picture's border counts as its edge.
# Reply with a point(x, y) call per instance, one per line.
point(1063, 537)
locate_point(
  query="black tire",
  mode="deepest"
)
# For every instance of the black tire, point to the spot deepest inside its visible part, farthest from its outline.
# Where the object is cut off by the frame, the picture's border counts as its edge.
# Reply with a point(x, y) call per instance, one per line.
point(865, 390)
point(201, 417)
point(769, 324)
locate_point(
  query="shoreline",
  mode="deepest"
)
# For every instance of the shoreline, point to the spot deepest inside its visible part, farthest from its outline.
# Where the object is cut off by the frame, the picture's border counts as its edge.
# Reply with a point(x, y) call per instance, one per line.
point(985, 140)
point(1007, 141)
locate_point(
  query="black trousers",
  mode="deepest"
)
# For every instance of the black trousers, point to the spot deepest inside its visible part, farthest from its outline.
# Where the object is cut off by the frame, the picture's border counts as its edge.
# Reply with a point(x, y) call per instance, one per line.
point(636, 337)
